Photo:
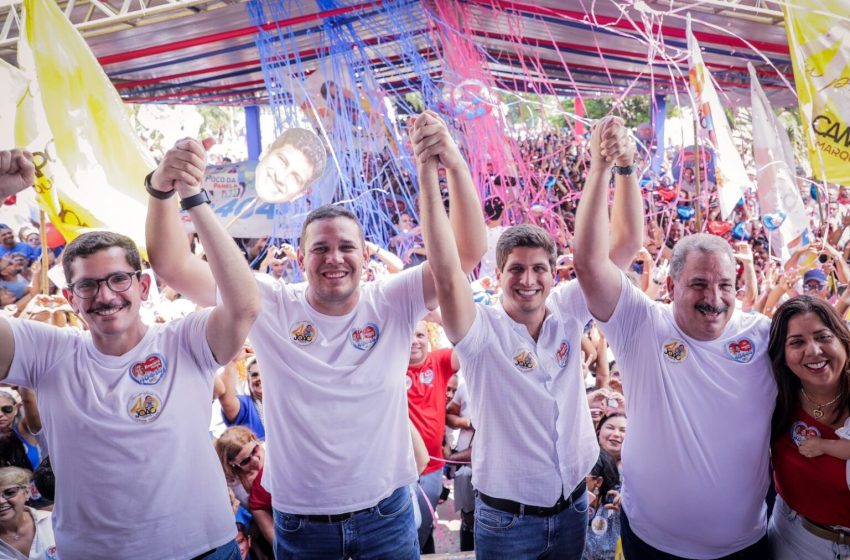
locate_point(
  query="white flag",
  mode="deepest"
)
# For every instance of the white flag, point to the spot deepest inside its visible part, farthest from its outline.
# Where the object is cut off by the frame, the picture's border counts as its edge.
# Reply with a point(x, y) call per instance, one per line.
point(783, 212)
point(732, 179)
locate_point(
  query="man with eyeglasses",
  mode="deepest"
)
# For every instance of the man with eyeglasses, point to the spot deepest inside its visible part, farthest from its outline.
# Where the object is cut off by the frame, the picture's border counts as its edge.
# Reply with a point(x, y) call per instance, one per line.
point(125, 406)
point(815, 283)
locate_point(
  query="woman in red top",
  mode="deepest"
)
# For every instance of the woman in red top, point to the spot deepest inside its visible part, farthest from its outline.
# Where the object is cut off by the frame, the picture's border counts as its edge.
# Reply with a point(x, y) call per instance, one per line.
point(809, 348)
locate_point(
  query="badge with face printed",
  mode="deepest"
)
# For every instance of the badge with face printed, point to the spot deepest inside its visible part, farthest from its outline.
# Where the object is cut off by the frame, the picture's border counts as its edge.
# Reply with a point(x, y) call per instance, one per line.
point(742, 351)
point(674, 350)
point(303, 333)
point(149, 371)
point(563, 353)
point(144, 407)
point(426, 377)
point(801, 431)
point(525, 360)
point(365, 337)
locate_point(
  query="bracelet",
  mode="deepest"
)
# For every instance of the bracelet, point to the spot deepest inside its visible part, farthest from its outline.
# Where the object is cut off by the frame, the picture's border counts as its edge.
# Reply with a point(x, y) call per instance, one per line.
point(623, 169)
point(161, 195)
point(195, 200)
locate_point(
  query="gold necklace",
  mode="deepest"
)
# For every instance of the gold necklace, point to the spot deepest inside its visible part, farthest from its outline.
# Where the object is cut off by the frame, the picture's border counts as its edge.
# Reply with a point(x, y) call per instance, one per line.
point(817, 412)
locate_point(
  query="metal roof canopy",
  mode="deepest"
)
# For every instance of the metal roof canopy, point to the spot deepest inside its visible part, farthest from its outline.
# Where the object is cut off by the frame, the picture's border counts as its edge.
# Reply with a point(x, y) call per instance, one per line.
point(203, 51)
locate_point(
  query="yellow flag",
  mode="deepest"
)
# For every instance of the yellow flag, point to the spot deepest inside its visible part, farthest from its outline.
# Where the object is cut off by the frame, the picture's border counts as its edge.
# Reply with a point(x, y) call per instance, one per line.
point(73, 116)
point(32, 133)
point(821, 58)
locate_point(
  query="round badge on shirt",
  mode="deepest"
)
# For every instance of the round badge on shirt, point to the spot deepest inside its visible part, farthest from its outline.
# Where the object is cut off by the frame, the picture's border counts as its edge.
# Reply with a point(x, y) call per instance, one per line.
point(742, 351)
point(149, 371)
point(525, 360)
point(563, 353)
point(675, 350)
point(408, 383)
point(144, 407)
point(426, 377)
point(365, 337)
point(801, 431)
point(303, 333)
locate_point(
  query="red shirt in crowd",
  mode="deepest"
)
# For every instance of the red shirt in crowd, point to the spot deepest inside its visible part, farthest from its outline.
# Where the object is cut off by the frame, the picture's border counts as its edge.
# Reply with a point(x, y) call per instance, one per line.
point(426, 401)
point(816, 487)
point(259, 498)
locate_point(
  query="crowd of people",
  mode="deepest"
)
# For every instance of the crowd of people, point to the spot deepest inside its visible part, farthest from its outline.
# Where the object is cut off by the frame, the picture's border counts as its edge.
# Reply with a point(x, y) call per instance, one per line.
point(727, 367)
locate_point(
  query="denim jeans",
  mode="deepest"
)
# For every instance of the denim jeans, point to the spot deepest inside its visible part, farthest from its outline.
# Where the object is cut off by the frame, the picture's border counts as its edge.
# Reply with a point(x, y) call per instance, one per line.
point(430, 487)
point(229, 551)
point(500, 535)
point(791, 541)
point(384, 532)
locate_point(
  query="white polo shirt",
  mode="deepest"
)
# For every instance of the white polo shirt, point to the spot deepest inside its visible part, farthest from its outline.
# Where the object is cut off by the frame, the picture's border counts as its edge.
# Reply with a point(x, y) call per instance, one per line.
point(695, 459)
point(534, 437)
point(334, 394)
point(136, 472)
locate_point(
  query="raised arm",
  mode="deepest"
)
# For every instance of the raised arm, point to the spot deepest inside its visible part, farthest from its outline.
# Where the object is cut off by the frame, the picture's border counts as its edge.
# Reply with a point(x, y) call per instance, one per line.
point(17, 172)
point(627, 213)
point(232, 318)
point(444, 274)
point(230, 404)
point(390, 260)
point(599, 275)
point(167, 245)
point(467, 220)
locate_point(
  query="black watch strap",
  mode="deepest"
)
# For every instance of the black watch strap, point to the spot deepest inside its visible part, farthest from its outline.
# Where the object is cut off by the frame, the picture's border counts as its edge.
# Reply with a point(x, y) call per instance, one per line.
point(623, 169)
point(195, 200)
point(161, 195)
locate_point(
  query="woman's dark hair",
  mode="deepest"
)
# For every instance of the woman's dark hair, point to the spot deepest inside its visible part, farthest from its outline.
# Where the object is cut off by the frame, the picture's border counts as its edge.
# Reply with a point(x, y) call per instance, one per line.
point(45, 481)
point(605, 419)
point(606, 467)
point(788, 384)
point(12, 451)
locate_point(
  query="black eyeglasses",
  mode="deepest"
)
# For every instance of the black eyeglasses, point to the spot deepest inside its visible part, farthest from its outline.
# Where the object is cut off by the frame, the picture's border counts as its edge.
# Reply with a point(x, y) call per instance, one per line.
point(244, 462)
point(88, 288)
point(7, 409)
point(10, 493)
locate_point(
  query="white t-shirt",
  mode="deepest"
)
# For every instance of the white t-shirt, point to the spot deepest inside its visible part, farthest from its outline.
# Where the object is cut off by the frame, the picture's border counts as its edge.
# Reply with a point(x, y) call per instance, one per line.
point(534, 437)
point(695, 461)
point(334, 394)
point(136, 473)
point(488, 261)
point(43, 544)
point(464, 435)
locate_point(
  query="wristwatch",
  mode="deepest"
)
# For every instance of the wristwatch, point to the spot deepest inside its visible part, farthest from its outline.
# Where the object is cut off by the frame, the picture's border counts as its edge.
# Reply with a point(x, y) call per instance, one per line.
point(195, 200)
point(161, 195)
point(623, 169)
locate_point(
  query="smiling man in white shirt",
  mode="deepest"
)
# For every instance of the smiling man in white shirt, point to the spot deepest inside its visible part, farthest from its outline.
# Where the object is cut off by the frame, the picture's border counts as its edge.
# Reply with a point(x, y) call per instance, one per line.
point(698, 385)
point(534, 441)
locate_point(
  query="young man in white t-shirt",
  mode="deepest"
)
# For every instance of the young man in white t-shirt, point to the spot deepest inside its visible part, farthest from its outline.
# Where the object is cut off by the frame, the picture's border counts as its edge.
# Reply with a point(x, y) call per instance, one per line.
point(698, 387)
point(534, 440)
point(125, 406)
point(334, 354)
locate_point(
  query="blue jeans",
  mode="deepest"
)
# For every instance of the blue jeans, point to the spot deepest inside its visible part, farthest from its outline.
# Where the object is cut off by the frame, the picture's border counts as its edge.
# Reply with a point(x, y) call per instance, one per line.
point(384, 532)
point(431, 485)
point(500, 535)
point(229, 551)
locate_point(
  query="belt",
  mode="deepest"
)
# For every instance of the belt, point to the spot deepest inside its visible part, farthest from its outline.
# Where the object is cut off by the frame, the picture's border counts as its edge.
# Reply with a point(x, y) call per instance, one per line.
point(834, 535)
point(335, 518)
point(517, 508)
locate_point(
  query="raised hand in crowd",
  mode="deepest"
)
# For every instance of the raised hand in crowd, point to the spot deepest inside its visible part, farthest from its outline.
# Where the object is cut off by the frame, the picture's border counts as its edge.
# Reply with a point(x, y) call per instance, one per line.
point(17, 172)
point(182, 168)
